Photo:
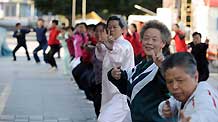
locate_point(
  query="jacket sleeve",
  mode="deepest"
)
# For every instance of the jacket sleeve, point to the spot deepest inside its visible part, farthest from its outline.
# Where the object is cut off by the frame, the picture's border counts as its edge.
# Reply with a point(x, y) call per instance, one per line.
point(121, 84)
point(100, 53)
point(26, 30)
point(15, 34)
point(205, 107)
point(173, 107)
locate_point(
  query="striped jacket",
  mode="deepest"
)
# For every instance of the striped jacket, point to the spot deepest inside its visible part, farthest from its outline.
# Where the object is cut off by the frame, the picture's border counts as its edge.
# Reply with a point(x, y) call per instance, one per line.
point(145, 88)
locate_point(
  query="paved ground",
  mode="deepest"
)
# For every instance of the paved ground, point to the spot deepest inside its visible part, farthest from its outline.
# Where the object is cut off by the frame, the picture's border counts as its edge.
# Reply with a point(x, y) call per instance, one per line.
point(29, 92)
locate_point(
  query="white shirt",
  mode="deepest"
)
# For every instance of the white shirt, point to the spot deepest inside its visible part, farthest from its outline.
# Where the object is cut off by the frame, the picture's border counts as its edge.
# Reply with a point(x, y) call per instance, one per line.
point(114, 105)
point(202, 105)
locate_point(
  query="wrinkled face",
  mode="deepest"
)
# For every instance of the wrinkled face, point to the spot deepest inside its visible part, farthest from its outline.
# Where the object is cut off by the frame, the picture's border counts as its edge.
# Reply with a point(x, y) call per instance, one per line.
point(196, 39)
point(99, 32)
point(180, 84)
point(114, 29)
point(152, 42)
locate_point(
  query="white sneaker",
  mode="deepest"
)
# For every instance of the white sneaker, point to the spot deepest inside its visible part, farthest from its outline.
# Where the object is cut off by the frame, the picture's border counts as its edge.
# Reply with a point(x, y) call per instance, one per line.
point(53, 69)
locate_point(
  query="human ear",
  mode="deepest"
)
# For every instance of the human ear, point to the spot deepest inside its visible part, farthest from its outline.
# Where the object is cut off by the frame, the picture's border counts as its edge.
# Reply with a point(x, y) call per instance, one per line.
point(196, 76)
point(163, 44)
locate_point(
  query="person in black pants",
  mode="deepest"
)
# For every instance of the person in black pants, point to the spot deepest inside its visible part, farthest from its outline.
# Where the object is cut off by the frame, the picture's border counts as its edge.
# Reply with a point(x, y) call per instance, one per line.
point(41, 38)
point(20, 34)
point(199, 51)
point(54, 44)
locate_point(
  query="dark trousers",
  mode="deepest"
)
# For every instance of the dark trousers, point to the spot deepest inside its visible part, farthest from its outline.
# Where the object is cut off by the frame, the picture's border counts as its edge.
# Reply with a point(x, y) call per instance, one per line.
point(97, 98)
point(17, 47)
point(50, 56)
point(203, 71)
point(37, 49)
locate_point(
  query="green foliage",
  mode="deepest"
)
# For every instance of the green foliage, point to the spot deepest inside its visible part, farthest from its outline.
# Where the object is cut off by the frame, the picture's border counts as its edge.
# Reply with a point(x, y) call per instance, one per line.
point(54, 6)
point(102, 7)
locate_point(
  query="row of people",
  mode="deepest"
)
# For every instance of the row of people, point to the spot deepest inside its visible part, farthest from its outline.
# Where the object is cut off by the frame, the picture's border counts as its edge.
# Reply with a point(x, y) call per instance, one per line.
point(124, 92)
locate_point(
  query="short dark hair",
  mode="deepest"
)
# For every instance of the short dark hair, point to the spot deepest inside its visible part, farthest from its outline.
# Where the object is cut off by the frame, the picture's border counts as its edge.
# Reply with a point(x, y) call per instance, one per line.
point(91, 26)
point(134, 25)
point(196, 33)
point(100, 24)
point(181, 59)
point(177, 25)
point(70, 28)
point(83, 23)
point(40, 19)
point(17, 24)
point(55, 22)
point(121, 24)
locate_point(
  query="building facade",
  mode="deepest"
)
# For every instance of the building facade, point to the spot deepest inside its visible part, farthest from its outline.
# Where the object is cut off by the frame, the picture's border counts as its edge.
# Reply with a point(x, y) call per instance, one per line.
point(17, 8)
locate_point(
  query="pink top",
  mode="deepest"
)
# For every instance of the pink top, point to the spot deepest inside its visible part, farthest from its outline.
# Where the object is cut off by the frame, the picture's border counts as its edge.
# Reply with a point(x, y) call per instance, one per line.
point(78, 42)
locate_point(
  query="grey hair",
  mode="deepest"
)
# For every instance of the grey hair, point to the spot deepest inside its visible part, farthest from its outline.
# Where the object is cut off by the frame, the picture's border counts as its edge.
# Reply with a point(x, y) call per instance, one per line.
point(183, 60)
point(164, 31)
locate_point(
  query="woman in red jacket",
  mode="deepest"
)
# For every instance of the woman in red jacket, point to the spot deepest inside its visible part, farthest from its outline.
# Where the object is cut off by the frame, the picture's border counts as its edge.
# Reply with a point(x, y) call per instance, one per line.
point(133, 37)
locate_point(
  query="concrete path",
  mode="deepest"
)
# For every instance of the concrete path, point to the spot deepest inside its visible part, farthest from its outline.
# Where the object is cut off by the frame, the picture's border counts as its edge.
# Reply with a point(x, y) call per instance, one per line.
point(29, 92)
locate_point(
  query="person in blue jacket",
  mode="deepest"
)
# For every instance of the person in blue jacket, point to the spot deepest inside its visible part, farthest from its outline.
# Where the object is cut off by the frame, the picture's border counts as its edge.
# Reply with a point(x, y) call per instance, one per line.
point(41, 38)
point(20, 34)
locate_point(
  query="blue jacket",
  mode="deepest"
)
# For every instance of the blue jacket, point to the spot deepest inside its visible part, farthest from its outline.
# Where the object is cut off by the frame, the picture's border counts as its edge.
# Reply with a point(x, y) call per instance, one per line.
point(41, 34)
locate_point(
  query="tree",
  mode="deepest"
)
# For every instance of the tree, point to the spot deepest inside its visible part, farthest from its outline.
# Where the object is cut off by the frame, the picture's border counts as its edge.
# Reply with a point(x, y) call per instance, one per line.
point(102, 7)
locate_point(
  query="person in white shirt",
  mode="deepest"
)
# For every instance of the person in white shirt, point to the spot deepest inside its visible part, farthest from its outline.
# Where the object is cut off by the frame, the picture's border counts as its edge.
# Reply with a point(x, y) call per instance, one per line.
point(191, 101)
point(114, 51)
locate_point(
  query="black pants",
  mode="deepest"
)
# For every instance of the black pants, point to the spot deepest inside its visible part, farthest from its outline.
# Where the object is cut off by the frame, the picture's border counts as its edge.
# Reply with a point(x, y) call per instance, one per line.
point(97, 98)
point(37, 49)
point(203, 71)
point(17, 47)
point(50, 56)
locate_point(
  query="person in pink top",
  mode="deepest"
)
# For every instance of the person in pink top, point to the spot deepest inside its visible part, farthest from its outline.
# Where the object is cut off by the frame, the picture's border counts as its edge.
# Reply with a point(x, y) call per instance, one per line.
point(54, 44)
point(80, 38)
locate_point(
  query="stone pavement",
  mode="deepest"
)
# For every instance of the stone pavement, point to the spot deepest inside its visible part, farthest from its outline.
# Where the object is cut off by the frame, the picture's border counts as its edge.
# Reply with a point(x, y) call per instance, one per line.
point(30, 93)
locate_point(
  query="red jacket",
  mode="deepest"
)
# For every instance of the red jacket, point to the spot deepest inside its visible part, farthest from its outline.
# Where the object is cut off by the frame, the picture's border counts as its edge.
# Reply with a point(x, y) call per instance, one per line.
point(134, 39)
point(70, 46)
point(180, 43)
point(53, 36)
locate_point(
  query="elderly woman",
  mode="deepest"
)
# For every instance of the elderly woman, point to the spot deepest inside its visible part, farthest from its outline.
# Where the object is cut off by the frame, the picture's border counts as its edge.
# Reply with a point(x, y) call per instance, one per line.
point(191, 101)
point(144, 84)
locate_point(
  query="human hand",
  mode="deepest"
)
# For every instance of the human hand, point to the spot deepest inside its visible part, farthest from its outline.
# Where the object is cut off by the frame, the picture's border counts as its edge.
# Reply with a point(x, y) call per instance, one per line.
point(158, 58)
point(167, 110)
point(184, 118)
point(102, 37)
point(207, 41)
point(116, 73)
point(31, 29)
point(109, 41)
